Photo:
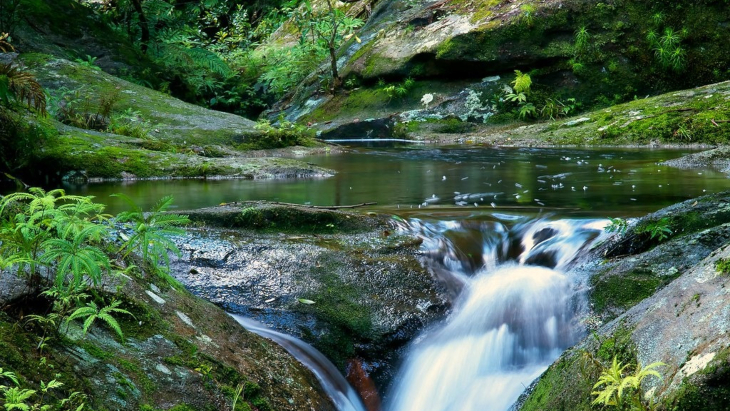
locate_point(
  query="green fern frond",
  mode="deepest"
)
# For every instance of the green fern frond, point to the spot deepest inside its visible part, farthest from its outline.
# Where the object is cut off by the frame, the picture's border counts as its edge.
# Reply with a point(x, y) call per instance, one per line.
point(9, 375)
point(15, 398)
point(24, 87)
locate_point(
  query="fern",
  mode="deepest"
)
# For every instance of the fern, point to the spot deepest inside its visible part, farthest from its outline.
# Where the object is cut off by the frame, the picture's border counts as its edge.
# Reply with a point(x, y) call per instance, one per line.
point(522, 82)
point(615, 384)
point(151, 231)
point(193, 58)
point(22, 87)
point(76, 257)
point(9, 375)
point(92, 312)
point(15, 399)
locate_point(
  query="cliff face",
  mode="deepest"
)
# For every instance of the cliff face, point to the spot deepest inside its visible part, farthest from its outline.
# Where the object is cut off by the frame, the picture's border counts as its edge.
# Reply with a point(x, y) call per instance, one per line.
point(599, 53)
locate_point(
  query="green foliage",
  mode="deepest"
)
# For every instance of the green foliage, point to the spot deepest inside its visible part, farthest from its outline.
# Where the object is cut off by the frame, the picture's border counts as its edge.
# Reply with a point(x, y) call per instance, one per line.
point(723, 266)
point(667, 49)
point(554, 109)
point(657, 229)
point(617, 225)
point(582, 41)
point(528, 14)
point(527, 110)
point(130, 123)
point(22, 139)
point(399, 90)
point(285, 134)
point(25, 399)
point(151, 231)
point(621, 390)
point(30, 220)
point(522, 82)
point(285, 68)
point(79, 108)
point(89, 62)
point(91, 312)
point(17, 85)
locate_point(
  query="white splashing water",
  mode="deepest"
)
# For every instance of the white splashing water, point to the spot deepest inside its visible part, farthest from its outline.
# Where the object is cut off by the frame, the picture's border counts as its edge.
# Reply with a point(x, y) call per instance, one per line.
point(333, 383)
point(511, 320)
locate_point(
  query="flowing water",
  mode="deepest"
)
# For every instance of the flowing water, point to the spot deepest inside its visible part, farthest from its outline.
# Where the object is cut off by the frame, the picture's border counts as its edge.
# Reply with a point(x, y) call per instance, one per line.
point(333, 383)
point(514, 314)
point(516, 301)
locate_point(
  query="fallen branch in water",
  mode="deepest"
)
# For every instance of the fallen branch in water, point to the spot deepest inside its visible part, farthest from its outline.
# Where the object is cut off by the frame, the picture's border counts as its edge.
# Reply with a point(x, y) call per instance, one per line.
point(324, 207)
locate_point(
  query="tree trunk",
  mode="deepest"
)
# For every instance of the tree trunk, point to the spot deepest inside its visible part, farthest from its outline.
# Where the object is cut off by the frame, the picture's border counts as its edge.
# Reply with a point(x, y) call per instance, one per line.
point(143, 25)
point(335, 75)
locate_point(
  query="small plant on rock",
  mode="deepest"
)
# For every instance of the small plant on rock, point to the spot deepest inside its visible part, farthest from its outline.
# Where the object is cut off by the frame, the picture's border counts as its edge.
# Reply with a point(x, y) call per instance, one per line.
point(659, 229)
point(91, 312)
point(617, 388)
point(617, 225)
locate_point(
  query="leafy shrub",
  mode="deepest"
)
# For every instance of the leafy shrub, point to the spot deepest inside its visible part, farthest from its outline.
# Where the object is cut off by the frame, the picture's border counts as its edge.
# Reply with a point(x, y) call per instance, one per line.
point(151, 232)
point(286, 134)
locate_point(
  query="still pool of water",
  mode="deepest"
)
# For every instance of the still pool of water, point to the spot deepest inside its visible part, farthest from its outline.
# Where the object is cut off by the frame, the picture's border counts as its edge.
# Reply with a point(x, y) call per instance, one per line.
point(425, 180)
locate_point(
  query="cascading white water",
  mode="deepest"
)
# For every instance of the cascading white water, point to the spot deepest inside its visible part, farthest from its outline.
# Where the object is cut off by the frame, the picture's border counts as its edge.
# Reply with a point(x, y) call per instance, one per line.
point(333, 383)
point(511, 319)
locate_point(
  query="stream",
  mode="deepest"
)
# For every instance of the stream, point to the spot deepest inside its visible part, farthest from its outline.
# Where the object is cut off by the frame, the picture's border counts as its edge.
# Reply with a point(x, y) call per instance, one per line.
point(501, 228)
point(515, 312)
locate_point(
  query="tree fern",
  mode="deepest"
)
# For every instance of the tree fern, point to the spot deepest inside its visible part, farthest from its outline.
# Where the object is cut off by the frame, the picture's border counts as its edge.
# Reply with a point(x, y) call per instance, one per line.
point(91, 312)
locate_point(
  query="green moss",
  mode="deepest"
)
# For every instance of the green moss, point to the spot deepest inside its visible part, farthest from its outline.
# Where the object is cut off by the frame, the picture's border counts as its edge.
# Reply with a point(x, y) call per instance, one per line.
point(454, 126)
point(340, 306)
point(707, 390)
point(550, 392)
point(618, 345)
point(294, 219)
point(95, 351)
point(623, 292)
point(568, 383)
point(723, 266)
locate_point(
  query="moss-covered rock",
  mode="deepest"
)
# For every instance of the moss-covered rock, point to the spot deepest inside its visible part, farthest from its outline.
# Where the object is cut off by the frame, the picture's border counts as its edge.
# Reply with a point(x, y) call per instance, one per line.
point(472, 40)
point(348, 283)
point(670, 305)
point(179, 352)
point(180, 140)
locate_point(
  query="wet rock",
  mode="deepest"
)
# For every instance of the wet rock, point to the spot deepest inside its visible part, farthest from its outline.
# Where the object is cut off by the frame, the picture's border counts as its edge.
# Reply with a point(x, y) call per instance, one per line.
point(677, 314)
point(350, 293)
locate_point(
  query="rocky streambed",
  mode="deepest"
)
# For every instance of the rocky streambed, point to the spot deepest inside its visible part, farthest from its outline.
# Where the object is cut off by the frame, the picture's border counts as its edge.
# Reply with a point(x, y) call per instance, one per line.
point(350, 284)
point(359, 290)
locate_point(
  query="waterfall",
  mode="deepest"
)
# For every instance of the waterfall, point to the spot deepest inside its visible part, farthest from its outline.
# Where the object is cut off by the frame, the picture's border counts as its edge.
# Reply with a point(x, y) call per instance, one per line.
point(333, 383)
point(513, 313)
